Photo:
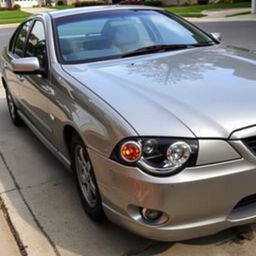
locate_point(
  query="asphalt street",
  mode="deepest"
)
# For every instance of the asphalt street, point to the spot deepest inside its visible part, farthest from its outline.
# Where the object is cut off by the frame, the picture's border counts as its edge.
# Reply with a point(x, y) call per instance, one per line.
point(5, 34)
point(44, 206)
point(240, 33)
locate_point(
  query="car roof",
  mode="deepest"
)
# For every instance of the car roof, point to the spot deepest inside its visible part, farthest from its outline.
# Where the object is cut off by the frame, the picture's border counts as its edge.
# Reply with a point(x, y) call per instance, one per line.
point(81, 10)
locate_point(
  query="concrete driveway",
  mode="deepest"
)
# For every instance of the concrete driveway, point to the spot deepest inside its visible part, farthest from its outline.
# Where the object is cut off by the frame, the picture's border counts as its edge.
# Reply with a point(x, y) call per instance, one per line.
point(45, 211)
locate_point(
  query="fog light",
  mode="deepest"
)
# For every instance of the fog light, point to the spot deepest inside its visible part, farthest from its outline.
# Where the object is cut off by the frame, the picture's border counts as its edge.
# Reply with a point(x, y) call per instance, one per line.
point(151, 215)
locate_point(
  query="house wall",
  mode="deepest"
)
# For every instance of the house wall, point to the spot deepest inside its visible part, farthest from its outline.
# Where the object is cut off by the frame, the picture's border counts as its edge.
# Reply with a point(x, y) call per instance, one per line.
point(70, 1)
point(3, 3)
point(26, 3)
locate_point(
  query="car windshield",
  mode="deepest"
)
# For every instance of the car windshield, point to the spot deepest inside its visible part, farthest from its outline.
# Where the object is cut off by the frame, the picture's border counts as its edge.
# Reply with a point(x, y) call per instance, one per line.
point(122, 33)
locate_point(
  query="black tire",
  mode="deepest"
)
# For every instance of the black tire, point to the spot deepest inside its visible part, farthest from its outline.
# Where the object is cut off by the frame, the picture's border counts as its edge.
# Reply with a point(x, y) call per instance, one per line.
point(17, 121)
point(86, 182)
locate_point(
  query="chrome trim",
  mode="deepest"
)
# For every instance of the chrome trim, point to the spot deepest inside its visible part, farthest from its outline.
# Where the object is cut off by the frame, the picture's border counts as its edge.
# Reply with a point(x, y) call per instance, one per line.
point(243, 133)
point(145, 166)
point(164, 170)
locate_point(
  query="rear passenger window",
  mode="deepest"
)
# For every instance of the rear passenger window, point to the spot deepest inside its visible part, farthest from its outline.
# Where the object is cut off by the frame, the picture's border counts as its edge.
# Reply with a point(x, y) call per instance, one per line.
point(20, 39)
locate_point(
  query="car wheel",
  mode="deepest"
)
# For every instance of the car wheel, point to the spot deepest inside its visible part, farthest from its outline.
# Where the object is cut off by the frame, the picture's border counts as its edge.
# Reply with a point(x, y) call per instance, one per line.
point(17, 121)
point(85, 179)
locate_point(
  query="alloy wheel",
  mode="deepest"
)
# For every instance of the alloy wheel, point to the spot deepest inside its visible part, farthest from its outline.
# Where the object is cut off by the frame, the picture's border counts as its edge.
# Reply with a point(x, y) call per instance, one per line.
point(11, 106)
point(85, 176)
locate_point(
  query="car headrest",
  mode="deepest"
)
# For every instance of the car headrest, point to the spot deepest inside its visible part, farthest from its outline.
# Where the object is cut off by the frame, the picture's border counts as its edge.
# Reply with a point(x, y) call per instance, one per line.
point(122, 34)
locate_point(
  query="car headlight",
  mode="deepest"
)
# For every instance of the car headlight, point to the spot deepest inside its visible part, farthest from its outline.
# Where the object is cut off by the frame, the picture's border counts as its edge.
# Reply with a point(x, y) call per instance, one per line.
point(157, 156)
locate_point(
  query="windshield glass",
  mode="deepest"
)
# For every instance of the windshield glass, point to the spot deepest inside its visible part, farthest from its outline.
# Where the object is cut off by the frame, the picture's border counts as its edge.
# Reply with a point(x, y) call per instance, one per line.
point(105, 35)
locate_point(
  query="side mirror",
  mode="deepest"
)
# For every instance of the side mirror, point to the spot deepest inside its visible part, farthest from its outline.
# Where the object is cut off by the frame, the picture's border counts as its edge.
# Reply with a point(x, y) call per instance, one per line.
point(26, 66)
point(217, 36)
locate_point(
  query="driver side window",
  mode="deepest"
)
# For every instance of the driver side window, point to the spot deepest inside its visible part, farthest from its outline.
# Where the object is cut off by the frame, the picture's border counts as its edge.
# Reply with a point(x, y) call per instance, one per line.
point(36, 46)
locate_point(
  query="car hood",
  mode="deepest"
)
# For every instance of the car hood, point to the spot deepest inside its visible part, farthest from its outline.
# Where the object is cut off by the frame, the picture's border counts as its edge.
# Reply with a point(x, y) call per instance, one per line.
point(202, 92)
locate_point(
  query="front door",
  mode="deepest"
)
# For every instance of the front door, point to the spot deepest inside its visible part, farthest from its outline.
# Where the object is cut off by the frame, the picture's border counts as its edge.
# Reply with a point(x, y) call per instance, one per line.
point(34, 89)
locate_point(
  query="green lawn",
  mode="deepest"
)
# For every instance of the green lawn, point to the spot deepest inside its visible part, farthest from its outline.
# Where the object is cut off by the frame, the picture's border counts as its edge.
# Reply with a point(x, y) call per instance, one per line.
point(195, 10)
point(189, 11)
point(16, 16)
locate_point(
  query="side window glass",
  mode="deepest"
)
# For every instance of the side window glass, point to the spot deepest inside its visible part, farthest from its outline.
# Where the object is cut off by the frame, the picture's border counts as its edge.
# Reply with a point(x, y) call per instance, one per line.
point(36, 46)
point(20, 39)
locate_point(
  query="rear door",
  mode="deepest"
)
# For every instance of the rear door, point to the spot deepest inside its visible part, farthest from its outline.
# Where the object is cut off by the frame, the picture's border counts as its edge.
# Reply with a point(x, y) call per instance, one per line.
point(16, 48)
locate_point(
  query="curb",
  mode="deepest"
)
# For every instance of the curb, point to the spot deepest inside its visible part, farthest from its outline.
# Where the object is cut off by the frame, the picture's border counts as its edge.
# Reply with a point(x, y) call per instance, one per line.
point(13, 232)
point(12, 25)
point(30, 237)
point(220, 19)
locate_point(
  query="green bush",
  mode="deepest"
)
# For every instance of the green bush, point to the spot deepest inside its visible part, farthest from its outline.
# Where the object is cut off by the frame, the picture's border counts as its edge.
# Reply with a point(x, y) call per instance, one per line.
point(226, 1)
point(203, 2)
point(152, 2)
point(6, 9)
point(16, 7)
point(89, 3)
point(239, 1)
point(60, 3)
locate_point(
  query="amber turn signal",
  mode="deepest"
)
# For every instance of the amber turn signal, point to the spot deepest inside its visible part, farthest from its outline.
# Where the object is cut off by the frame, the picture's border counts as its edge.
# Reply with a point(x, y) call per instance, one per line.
point(130, 151)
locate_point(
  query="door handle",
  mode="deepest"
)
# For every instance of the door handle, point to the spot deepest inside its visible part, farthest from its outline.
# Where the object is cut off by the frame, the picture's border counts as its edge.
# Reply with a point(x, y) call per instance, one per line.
point(20, 77)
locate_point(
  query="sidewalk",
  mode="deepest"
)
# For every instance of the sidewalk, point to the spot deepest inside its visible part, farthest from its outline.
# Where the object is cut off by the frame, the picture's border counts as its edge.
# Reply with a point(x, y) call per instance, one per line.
point(220, 15)
point(37, 10)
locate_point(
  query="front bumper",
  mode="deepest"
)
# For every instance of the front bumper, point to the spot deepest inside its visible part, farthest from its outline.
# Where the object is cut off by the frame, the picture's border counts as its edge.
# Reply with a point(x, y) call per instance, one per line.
point(199, 201)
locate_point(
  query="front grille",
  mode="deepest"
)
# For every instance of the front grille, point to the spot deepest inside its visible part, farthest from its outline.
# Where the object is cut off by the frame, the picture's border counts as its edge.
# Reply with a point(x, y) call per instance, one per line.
point(251, 144)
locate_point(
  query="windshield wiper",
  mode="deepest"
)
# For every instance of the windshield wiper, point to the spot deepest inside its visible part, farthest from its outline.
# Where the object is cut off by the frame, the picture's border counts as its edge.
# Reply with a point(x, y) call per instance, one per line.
point(208, 43)
point(163, 48)
point(155, 48)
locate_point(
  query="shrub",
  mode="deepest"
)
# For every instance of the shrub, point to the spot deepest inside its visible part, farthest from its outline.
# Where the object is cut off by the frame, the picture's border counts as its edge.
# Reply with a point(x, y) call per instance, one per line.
point(239, 1)
point(89, 3)
point(16, 7)
point(152, 2)
point(131, 2)
point(203, 1)
point(6, 9)
point(60, 3)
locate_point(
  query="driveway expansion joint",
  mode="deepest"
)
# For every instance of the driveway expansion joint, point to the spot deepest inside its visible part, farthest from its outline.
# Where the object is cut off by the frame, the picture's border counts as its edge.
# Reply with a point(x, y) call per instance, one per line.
point(7, 191)
point(17, 187)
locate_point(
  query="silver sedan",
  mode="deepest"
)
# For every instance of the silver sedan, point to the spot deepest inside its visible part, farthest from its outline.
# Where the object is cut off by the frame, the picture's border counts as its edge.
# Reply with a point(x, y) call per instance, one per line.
point(155, 117)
